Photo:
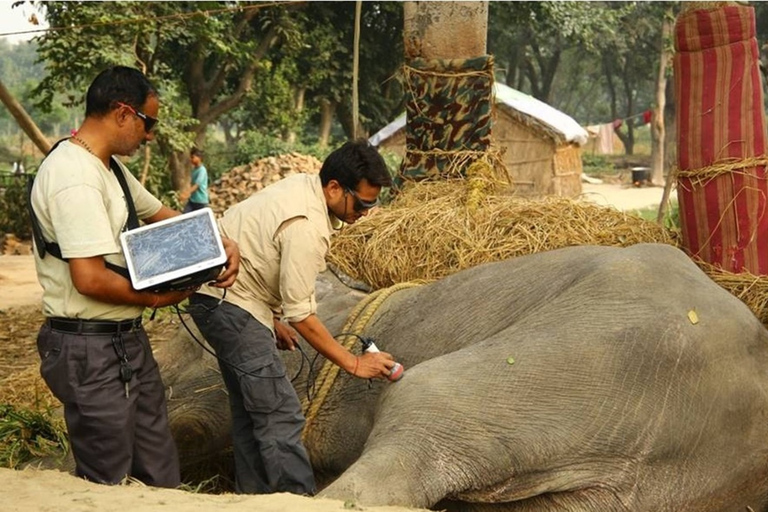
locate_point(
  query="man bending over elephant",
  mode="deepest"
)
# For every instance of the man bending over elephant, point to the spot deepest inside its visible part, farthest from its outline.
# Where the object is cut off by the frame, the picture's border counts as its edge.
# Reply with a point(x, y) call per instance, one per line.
point(284, 235)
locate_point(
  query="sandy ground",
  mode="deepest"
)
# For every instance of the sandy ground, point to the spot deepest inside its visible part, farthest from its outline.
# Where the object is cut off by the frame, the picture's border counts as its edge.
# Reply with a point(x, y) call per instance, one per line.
point(623, 197)
point(38, 490)
point(54, 491)
point(18, 282)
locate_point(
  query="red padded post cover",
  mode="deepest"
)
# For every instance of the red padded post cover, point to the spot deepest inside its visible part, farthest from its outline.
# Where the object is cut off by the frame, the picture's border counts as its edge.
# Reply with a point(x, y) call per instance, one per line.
point(721, 122)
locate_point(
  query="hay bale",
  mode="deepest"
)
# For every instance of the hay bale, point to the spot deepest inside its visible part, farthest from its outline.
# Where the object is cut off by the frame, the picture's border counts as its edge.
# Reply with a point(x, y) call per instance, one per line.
point(434, 229)
point(752, 290)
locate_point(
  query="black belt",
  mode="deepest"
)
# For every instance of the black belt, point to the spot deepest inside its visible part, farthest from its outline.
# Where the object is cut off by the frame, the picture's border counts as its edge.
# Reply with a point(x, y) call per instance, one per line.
point(76, 326)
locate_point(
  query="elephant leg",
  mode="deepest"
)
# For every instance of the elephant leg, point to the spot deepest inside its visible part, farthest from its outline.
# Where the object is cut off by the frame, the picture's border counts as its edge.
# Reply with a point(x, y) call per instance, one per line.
point(437, 439)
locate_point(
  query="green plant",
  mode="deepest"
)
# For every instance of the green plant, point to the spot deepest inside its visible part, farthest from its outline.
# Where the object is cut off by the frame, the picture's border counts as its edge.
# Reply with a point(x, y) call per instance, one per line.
point(596, 165)
point(671, 216)
point(26, 434)
point(393, 161)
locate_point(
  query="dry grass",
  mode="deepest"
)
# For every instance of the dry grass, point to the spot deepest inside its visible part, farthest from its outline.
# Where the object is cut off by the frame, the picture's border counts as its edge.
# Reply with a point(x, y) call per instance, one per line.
point(434, 229)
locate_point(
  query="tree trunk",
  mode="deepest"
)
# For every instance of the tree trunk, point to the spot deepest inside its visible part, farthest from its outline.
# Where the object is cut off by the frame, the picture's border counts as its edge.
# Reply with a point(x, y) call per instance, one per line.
point(25, 122)
point(629, 140)
point(327, 109)
point(229, 139)
point(298, 108)
point(657, 119)
point(147, 161)
point(445, 30)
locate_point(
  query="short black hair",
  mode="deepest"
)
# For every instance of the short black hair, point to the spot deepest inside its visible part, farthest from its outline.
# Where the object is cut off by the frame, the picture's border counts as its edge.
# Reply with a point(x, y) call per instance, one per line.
point(196, 152)
point(354, 161)
point(118, 84)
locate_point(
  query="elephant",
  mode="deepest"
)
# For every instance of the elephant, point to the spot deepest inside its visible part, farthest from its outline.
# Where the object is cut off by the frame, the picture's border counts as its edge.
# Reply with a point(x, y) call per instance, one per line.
point(587, 378)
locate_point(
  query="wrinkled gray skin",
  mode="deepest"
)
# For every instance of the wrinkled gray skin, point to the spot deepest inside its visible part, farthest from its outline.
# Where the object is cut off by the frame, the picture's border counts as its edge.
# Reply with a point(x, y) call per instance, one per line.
point(613, 399)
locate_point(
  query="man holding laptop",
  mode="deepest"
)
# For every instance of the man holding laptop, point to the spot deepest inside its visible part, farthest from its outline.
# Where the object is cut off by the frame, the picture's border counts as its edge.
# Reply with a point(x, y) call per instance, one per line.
point(95, 354)
point(284, 232)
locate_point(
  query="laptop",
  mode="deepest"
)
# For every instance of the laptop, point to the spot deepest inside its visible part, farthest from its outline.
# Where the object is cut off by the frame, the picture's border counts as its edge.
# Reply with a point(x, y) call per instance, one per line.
point(174, 254)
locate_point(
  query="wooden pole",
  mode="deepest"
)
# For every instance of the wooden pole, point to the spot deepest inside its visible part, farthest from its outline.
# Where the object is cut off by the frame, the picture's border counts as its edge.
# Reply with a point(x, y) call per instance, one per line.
point(22, 118)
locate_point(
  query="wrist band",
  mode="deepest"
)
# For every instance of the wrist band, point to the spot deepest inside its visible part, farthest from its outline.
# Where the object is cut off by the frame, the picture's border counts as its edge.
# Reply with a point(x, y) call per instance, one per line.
point(157, 299)
point(354, 372)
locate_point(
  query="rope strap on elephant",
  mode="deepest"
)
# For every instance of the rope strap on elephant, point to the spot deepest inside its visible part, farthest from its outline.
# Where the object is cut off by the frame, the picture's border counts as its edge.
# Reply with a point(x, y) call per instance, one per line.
point(354, 326)
point(449, 107)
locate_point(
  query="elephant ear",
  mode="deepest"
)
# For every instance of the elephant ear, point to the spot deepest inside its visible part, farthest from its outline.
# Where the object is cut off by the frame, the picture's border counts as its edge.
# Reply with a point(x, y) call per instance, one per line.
point(348, 280)
point(335, 300)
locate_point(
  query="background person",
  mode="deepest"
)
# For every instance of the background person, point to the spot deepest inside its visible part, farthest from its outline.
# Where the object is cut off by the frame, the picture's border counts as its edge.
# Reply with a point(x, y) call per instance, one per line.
point(95, 354)
point(196, 195)
point(284, 233)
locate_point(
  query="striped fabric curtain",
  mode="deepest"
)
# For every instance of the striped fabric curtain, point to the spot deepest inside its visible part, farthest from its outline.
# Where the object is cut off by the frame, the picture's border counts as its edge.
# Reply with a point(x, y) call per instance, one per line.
point(721, 139)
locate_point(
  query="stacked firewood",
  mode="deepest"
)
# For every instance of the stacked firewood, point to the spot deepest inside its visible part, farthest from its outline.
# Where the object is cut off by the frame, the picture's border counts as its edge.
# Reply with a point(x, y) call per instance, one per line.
point(242, 181)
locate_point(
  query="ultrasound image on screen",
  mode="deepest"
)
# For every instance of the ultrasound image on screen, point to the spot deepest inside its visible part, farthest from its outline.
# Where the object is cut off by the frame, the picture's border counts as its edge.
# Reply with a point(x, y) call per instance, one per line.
point(173, 247)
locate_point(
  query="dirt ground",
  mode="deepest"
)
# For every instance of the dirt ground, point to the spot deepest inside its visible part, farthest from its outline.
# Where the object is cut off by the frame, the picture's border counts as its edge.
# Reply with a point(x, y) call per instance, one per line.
point(18, 282)
point(623, 197)
point(45, 490)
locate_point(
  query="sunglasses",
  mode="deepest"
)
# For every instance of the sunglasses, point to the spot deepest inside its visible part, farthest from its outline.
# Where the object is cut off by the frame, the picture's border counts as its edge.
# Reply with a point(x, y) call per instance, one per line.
point(361, 204)
point(149, 122)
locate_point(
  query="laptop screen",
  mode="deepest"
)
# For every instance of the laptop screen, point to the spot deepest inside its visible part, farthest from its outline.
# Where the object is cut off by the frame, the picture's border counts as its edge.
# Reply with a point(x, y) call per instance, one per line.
point(173, 248)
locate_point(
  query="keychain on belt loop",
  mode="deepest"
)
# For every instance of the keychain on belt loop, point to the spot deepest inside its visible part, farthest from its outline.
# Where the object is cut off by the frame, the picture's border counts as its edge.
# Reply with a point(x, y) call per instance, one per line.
point(126, 372)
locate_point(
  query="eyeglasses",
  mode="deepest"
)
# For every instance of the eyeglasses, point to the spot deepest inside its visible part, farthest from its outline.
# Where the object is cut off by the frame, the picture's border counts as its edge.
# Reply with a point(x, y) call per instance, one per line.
point(149, 122)
point(362, 204)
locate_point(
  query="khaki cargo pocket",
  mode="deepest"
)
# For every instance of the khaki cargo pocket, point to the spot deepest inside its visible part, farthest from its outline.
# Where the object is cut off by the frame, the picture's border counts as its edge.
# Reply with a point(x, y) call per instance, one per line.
point(265, 388)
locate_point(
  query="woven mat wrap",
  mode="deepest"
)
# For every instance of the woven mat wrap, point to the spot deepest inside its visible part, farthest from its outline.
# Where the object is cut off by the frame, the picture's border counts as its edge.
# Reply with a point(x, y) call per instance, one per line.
point(721, 182)
point(449, 106)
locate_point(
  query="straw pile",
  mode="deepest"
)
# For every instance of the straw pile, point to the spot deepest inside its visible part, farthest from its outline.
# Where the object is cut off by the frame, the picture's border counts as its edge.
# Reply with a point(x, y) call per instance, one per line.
point(434, 229)
point(752, 290)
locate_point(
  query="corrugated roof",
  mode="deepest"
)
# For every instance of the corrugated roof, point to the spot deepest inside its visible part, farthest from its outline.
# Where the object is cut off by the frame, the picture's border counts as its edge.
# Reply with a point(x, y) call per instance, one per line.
point(551, 118)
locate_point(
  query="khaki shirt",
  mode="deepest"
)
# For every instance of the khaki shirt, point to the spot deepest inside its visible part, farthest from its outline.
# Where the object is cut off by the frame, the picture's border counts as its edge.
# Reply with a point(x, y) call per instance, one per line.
point(284, 233)
point(80, 206)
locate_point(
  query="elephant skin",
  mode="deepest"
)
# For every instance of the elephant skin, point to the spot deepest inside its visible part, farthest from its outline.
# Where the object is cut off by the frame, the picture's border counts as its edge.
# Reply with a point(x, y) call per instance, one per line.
point(582, 379)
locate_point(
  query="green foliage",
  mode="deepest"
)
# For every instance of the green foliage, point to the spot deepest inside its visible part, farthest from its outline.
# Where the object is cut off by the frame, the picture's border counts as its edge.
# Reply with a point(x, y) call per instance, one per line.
point(21, 72)
point(159, 181)
point(13, 209)
point(596, 165)
point(671, 216)
point(26, 434)
point(393, 161)
point(256, 145)
point(201, 63)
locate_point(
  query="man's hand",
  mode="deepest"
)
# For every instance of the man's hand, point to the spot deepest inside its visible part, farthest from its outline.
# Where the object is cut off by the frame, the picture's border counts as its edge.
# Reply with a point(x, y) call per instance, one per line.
point(286, 337)
point(373, 365)
point(232, 267)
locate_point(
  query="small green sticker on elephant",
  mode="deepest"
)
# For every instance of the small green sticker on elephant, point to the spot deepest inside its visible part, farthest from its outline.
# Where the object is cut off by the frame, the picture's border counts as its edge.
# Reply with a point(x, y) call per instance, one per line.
point(693, 317)
point(510, 360)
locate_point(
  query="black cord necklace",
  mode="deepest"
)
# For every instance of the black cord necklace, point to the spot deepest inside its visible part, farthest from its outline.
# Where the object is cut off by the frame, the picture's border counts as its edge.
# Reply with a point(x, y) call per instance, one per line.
point(85, 145)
